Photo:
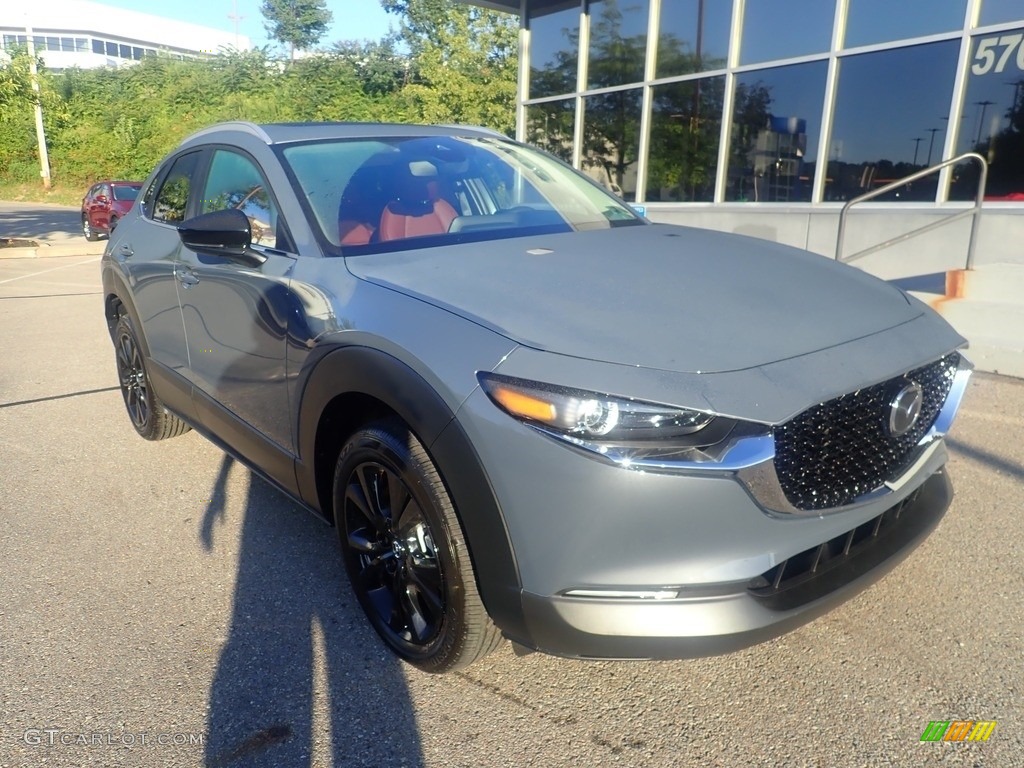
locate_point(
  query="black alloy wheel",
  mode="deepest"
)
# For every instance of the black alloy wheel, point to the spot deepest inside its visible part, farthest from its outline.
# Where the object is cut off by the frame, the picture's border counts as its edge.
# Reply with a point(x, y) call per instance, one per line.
point(145, 409)
point(405, 553)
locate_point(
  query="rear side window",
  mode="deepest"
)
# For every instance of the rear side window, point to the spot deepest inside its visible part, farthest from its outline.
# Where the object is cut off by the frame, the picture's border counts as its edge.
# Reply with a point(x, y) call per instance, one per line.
point(171, 201)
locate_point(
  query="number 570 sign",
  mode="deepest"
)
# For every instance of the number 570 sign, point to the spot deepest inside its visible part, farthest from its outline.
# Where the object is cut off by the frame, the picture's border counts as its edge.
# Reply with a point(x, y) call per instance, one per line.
point(997, 52)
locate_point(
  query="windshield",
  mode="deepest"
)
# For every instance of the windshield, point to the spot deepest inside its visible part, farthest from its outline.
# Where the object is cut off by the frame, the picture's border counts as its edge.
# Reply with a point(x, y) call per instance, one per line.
point(373, 195)
point(122, 192)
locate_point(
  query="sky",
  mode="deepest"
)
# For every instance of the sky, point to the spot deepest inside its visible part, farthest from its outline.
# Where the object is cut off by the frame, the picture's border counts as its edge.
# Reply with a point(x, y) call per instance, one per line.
point(353, 19)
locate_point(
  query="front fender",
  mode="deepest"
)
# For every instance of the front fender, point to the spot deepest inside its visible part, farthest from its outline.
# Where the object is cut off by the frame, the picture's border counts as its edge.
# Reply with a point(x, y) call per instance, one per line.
point(367, 371)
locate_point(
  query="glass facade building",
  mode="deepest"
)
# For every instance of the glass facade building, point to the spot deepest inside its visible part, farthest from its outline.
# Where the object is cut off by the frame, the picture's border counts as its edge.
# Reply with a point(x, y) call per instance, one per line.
point(777, 101)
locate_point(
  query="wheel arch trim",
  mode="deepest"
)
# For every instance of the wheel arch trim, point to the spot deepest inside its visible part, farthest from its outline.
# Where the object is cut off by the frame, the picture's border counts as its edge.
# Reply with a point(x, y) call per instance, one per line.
point(367, 371)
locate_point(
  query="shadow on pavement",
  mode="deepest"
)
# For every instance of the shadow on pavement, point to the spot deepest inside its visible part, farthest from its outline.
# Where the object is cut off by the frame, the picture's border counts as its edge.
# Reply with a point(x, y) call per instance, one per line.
point(41, 222)
point(292, 617)
point(992, 460)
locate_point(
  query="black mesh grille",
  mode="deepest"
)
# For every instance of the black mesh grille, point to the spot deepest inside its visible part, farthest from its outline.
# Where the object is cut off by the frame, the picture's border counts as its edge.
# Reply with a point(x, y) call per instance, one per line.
point(836, 451)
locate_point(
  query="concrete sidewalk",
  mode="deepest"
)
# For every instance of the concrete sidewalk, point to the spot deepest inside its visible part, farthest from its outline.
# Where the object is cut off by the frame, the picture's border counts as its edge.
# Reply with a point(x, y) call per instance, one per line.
point(55, 230)
point(986, 305)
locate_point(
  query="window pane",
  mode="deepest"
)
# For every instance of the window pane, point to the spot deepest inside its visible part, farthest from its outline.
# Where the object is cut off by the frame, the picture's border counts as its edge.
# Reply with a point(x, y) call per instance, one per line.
point(136, 53)
point(686, 119)
point(780, 29)
point(776, 124)
point(235, 183)
point(53, 43)
point(993, 118)
point(554, 43)
point(124, 51)
point(693, 36)
point(172, 200)
point(886, 101)
point(111, 49)
point(97, 46)
point(878, 21)
point(611, 140)
point(550, 126)
point(81, 44)
point(999, 11)
point(618, 41)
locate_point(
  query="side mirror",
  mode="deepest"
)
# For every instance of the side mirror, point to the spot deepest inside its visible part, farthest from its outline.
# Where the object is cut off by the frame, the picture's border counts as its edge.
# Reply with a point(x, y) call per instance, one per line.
point(224, 233)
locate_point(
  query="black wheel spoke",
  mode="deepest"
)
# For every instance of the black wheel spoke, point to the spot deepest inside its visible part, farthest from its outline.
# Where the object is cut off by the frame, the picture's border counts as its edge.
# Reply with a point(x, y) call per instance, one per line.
point(398, 497)
point(427, 584)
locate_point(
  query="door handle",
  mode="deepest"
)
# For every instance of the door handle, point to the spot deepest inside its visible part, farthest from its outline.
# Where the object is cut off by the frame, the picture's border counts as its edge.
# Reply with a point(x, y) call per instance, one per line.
point(186, 277)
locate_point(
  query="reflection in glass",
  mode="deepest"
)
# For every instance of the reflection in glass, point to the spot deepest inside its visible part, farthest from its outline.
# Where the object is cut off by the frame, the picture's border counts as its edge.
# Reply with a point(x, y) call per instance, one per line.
point(611, 140)
point(549, 126)
point(686, 120)
point(693, 36)
point(781, 29)
point(554, 44)
point(993, 119)
point(878, 21)
point(1000, 11)
point(618, 42)
point(885, 102)
point(776, 123)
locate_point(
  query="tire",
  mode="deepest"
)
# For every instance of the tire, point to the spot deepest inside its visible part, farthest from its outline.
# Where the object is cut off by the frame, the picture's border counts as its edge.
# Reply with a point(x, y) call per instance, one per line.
point(410, 571)
point(88, 231)
point(145, 409)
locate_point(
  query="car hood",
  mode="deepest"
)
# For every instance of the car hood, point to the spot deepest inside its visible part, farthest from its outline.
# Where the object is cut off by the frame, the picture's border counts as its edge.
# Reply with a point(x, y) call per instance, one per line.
point(656, 296)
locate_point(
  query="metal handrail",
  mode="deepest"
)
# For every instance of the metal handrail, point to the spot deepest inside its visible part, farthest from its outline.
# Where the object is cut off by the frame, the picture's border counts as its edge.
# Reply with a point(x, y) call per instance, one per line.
point(974, 212)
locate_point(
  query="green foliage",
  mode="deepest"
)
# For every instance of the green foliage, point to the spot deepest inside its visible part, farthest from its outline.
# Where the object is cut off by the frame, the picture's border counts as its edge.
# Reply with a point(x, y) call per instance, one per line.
point(448, 64)
point(299, 24)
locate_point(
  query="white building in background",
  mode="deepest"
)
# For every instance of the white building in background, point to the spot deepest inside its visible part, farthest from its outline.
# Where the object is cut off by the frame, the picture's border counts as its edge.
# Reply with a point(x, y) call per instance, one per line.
point(79, 33)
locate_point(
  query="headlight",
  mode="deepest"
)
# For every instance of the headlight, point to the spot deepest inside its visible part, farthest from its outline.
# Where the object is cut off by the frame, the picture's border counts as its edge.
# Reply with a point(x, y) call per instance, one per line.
point(619, 428)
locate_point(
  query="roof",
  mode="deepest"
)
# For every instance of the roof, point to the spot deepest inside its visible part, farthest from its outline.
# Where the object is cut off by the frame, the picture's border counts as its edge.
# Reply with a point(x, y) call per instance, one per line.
point(282, 133)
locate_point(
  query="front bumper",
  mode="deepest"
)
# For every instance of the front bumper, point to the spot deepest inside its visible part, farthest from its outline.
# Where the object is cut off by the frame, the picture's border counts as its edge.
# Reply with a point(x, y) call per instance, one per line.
point(715, 619)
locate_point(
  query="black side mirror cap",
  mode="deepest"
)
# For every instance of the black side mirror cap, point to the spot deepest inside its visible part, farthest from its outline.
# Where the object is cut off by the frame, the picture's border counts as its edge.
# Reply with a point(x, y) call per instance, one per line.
point(224, 233)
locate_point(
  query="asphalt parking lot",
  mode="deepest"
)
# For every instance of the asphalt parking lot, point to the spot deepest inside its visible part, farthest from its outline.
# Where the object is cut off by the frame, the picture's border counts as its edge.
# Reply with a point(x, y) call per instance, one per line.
point(161, 607)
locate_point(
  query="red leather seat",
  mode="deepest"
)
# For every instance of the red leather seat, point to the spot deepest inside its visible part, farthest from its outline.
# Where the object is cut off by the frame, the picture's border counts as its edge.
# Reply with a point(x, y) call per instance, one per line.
point(418, 210)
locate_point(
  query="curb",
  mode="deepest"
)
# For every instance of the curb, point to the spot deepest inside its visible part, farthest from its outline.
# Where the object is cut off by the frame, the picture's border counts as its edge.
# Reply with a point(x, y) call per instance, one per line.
point(44, 251)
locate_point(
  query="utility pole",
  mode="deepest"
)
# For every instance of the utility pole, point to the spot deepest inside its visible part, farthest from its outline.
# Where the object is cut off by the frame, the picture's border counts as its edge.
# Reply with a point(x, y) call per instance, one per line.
point(44, 158)
point(235, 18)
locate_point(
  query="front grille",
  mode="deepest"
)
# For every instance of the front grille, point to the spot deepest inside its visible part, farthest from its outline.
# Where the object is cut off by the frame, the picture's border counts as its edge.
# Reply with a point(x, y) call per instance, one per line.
point(836, 451)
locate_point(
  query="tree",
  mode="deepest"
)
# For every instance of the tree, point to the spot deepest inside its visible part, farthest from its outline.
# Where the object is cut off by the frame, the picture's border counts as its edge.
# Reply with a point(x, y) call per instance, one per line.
point(299, 24)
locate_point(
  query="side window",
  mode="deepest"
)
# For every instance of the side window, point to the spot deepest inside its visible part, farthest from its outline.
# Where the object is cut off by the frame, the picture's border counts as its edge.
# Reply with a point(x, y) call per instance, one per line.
point(234, 181)
point(171, 200)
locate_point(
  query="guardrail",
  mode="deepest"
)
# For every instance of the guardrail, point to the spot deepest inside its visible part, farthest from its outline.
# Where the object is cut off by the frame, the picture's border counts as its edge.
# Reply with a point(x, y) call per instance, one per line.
point(974, 212)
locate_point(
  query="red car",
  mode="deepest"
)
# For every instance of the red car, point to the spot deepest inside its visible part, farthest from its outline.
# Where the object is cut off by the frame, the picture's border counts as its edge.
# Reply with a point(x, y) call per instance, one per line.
point(104, 204)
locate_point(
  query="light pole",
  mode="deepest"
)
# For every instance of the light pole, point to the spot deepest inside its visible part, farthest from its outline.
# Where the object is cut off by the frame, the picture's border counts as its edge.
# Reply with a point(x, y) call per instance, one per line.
point(981, 122)
point(917, 143)
point(931, 143)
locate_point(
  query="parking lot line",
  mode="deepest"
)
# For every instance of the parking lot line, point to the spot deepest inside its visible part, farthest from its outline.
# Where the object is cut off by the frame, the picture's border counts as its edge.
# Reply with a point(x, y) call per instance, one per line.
point(52, 269)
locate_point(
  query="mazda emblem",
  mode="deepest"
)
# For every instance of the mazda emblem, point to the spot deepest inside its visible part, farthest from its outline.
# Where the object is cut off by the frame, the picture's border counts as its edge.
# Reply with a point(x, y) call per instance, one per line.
point(905, 409)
